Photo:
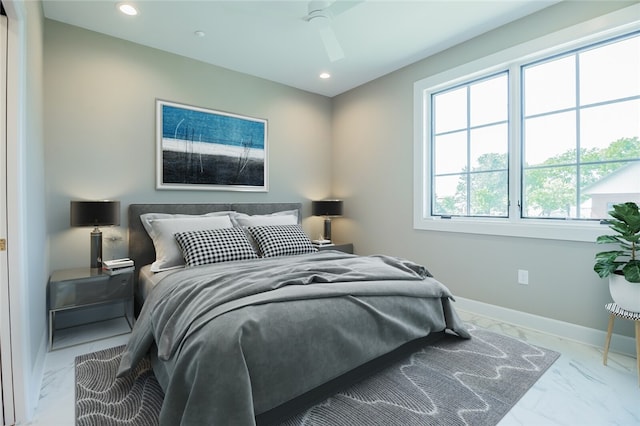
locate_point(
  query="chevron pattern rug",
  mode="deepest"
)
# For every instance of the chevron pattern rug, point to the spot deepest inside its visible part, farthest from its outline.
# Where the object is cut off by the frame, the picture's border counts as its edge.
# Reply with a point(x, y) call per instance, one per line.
point(452, 382)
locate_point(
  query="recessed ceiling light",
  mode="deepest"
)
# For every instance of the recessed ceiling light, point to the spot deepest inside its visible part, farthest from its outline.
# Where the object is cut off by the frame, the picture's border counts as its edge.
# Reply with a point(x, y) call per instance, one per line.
point(127, 9)
point(325, 75)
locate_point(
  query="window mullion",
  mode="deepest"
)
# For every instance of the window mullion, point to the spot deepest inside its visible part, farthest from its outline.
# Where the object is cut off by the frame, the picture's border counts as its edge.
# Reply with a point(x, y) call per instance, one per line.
point(468, 177)
point(516, 135)
point(578, 113)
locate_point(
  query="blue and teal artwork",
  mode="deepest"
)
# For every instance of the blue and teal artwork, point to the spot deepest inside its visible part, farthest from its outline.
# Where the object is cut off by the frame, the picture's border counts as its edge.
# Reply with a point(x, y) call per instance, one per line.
point(206, 149)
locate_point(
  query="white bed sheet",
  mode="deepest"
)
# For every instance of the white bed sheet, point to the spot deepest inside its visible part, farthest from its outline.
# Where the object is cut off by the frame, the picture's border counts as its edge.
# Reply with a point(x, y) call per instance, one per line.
point(147, 280)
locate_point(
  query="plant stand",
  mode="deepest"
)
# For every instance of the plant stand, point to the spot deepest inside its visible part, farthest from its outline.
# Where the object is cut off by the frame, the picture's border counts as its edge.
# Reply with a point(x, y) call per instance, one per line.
point(617, 311)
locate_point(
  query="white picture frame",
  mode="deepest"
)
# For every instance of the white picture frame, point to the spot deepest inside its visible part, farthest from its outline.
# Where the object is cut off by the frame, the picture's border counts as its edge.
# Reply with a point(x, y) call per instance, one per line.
point(205, 149)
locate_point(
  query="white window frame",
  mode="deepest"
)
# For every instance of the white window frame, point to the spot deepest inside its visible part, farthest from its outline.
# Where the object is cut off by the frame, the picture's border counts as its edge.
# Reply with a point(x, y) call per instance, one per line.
point(611, 25)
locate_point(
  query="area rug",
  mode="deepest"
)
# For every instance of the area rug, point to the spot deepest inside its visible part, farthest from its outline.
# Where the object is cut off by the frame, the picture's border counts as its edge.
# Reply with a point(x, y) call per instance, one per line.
point(452, 382)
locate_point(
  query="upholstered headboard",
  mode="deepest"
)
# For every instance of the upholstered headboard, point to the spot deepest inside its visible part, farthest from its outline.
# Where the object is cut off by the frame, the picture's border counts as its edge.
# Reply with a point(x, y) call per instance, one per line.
point(141, 249)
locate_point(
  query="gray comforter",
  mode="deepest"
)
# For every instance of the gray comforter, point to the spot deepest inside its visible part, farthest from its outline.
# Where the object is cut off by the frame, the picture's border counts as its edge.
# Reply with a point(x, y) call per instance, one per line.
point(237, 339)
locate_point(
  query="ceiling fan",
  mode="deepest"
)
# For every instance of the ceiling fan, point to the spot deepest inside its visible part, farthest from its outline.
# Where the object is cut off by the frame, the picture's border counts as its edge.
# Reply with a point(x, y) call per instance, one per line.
point(320, 16)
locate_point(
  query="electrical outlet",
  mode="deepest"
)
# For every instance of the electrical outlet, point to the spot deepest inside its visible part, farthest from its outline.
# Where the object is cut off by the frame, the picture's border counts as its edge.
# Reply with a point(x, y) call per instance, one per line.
point(523, 276)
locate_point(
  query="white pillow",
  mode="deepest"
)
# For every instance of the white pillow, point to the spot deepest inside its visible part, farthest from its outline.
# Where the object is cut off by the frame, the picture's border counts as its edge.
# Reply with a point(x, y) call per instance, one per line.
point(146, 218)
point(286, 217)
point(168, 253)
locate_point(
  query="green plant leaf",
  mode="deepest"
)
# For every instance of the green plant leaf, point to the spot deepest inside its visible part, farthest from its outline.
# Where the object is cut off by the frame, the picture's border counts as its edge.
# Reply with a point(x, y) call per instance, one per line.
point(608, 256)
point(629, 214)
point(605, 269)
point(620, 227)
point(631, 271)
point(626, 223)
point(633, 238)
point(606, 239)
point(626, 245)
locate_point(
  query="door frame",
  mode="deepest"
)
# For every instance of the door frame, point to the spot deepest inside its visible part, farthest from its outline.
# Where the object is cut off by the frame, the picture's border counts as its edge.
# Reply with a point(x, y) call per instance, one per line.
point(6, 364)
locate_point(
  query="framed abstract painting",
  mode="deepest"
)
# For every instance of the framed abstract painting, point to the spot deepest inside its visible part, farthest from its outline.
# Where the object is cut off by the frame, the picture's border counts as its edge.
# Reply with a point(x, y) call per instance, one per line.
point(203, 149)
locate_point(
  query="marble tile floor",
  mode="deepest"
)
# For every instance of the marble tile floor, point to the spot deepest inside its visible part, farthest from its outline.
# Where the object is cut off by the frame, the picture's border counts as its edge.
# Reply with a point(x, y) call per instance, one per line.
point(576, 390)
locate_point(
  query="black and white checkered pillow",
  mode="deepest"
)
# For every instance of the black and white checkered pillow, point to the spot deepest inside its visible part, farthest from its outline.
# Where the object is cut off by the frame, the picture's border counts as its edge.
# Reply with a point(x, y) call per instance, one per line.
point(214, 245)
point(281, 240)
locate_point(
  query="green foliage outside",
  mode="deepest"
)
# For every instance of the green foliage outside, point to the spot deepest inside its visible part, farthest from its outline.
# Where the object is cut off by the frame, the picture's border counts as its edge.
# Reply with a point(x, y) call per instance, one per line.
point(549, 187)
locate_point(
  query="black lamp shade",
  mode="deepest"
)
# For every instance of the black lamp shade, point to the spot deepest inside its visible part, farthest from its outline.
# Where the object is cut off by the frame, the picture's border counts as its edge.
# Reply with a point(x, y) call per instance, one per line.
point(326, 208)
point(95, 213)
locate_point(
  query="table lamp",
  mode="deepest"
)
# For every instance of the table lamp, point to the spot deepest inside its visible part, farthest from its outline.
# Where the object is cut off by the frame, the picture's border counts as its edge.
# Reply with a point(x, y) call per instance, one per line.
point(95, 213)
point(328, 209)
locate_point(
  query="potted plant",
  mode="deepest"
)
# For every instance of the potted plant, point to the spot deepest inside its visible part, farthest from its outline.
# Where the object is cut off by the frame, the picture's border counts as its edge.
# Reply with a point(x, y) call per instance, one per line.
point(622, 266)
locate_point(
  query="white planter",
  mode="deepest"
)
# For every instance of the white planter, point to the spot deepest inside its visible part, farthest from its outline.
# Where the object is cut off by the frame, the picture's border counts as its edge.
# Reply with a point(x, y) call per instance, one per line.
point(625, 294)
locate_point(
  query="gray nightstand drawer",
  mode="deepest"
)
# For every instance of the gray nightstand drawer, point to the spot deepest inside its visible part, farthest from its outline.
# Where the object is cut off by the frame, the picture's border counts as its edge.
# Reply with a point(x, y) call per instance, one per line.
point(81, 292)
point(71, 292)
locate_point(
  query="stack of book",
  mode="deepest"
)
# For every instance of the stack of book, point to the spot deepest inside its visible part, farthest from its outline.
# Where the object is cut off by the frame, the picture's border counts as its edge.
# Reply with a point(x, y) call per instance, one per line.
point(117, 266)
point(322, 243)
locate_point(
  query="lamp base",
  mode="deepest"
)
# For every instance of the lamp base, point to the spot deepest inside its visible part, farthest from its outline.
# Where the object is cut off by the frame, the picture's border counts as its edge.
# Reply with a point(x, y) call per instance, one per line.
point(327, 228)
point(96, 248)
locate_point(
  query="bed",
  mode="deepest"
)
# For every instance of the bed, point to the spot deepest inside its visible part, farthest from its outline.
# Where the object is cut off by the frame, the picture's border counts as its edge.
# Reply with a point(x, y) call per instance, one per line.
point(245, 338)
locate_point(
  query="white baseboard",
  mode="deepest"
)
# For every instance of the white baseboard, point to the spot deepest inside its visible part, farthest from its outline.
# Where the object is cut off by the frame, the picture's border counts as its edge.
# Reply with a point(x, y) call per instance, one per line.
point(589, 336)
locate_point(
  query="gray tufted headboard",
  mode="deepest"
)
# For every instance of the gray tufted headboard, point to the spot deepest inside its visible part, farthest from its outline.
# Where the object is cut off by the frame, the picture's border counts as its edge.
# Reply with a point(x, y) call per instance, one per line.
point(141, 249)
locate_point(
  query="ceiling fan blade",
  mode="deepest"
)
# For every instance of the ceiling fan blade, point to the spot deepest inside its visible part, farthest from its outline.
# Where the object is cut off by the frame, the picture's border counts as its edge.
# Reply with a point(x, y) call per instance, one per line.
point(320, 15)
point(331, 44)
point(341, 6)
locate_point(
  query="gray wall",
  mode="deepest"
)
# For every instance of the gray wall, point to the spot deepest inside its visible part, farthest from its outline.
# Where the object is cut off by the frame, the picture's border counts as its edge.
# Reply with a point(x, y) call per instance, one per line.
point(374, 124)
point(100, 131)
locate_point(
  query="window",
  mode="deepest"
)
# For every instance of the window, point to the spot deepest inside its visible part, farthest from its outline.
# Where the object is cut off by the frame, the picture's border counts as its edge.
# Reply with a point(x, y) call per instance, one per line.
point(523, 146)
point(469, 146)
point(581, 129)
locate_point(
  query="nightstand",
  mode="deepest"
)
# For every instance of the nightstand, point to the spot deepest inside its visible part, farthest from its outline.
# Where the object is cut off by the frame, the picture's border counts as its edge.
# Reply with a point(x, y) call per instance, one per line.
point(77, 290)
point(346, 248)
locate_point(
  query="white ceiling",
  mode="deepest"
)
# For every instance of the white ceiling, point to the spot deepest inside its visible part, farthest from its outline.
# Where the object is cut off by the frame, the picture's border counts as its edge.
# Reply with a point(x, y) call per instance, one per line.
point(270, 39)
